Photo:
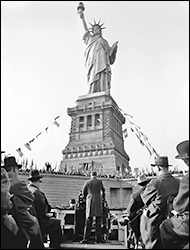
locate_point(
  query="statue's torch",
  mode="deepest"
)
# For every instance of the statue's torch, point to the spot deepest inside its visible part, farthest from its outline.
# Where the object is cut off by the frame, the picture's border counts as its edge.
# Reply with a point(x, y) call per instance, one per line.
point(80, 8)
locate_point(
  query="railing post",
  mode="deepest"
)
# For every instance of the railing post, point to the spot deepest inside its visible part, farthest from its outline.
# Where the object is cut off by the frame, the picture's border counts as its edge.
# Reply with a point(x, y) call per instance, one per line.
point(126, 236)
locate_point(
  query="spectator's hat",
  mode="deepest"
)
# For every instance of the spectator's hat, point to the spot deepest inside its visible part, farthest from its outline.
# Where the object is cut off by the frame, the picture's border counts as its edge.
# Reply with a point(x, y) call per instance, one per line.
point(94, 173)
point(142, 180)
point(183, 150)
point(161, 161)
point(34, 175)
point(10, 162)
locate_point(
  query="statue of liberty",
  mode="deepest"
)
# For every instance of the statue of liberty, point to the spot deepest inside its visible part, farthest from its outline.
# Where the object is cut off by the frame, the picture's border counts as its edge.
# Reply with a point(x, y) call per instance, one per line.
point(98, 56)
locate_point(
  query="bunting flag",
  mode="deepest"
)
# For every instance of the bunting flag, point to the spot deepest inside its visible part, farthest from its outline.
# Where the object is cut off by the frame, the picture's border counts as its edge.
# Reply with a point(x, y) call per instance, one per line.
point(154, 151)
point(125, 133)
point(149, 150)
point(57, 117)
point(125, 113)
point(134, 124)
point(26, 164)
point(32, 140)
point(27, 145)
point(31, 165)
point(128, 115)
point(19, 152)
point(38, 135)
point(143, 139)
point(141, 142)
point(23, 163)
point(56, 123)
point(137, 134)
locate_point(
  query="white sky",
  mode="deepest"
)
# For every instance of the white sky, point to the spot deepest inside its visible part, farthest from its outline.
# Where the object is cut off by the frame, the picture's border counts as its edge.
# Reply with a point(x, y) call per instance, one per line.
point(43, 73)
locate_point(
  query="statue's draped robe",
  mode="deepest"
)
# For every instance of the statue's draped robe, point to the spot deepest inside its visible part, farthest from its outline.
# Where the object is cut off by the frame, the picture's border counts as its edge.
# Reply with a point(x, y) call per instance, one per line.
point(97, 61)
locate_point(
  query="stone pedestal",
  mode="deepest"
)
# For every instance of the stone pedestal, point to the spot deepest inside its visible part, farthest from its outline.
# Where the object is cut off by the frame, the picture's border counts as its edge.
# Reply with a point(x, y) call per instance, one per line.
point(96, 138)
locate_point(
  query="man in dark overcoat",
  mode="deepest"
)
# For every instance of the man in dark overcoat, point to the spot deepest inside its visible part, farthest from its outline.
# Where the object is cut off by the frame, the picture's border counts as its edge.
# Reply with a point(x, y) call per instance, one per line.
point(155, 197)
point(93, 191)
point(48, 224)
point(22, 200)
point(176, 228)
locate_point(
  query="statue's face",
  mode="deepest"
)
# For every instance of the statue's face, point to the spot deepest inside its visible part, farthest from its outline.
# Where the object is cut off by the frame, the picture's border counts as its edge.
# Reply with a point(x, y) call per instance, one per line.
point(96, 29)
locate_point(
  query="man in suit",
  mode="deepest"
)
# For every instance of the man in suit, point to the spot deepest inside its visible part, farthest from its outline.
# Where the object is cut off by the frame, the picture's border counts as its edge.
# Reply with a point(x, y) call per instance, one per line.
point(94, 192)
point(176, 228)
point(155, 197)
point(22, 200)
point(48, 224)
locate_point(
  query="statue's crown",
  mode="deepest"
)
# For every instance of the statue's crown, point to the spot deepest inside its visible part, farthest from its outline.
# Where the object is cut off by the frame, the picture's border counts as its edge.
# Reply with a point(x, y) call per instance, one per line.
point(97, 24)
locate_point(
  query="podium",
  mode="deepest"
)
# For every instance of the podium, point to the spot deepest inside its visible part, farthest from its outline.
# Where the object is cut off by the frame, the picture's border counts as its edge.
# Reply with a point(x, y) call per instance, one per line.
point(67, 217)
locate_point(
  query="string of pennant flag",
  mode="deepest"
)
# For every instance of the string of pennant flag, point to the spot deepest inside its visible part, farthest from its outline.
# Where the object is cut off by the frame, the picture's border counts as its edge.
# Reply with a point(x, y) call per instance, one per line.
point(143, 139)
point(28, 144)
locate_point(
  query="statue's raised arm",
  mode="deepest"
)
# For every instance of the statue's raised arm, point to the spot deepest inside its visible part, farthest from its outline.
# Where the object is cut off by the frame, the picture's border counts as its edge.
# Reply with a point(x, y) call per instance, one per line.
point(98, 55)
point(80, 10)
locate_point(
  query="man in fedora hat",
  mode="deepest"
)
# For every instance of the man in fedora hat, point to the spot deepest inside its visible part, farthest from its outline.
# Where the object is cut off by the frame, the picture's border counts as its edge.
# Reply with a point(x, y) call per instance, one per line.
point(176, 228)
point(49, 225)
point(155, 197)
point(22, 200)
point(93, 190)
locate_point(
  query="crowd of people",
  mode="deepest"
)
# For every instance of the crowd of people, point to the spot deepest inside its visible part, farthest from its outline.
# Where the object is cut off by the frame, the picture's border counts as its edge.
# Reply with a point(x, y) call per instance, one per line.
point(24, 211)
point(158, 213)
point(101, 175)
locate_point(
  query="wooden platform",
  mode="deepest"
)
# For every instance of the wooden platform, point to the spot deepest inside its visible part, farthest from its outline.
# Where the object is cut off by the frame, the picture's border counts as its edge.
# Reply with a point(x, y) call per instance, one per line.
point(108, 245)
